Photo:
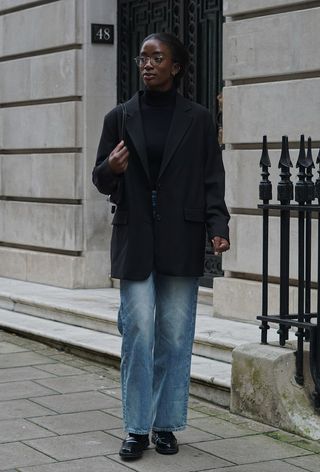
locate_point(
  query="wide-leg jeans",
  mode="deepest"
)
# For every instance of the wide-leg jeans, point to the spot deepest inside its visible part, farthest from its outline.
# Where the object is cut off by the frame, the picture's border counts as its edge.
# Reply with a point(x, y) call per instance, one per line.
point(157, 323)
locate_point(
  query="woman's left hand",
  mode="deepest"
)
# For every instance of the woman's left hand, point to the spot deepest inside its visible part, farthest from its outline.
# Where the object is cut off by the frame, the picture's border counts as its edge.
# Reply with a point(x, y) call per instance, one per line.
point(220, 245)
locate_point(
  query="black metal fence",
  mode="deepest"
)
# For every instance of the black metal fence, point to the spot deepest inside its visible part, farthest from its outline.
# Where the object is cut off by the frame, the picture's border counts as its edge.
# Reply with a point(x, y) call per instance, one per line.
point(305, 192)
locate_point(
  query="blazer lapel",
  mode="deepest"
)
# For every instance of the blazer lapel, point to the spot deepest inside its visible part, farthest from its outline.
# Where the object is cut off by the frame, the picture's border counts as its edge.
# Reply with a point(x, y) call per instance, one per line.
point(134, 128)
point(181, 121)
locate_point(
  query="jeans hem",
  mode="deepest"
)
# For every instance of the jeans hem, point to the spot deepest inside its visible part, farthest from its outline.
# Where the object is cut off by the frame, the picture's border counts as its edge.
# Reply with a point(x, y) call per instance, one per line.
point(136, 431)
point(170, 430)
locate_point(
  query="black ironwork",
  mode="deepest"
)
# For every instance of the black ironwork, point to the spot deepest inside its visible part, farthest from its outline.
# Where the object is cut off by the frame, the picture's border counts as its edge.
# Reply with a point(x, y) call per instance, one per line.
point(305, 191)
point(265, 194)
point(198, 23)
point(309, 199)
point(212, 267)
point(285, 195)
point(301, 198)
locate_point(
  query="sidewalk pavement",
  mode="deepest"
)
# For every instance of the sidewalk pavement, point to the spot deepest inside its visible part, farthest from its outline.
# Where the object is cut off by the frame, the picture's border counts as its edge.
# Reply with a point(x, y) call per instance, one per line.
point(62, 413)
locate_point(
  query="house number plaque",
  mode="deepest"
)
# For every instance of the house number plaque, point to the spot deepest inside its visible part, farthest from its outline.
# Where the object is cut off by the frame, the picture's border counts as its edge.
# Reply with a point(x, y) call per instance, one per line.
point(102, 33)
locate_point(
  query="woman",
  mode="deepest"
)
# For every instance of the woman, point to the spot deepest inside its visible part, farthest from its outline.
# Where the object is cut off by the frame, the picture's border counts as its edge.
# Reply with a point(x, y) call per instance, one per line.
point(167, 179)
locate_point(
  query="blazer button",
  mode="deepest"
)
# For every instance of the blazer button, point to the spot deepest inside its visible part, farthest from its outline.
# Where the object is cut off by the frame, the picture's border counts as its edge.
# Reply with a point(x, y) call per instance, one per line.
point(158, 217)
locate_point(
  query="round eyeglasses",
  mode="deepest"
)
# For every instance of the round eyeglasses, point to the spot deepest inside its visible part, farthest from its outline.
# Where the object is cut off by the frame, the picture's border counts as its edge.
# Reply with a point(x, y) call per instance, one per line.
point(154, 60)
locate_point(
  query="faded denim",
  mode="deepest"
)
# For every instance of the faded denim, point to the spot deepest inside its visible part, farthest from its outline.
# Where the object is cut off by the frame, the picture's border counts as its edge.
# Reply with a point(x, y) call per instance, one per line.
point(157, 323)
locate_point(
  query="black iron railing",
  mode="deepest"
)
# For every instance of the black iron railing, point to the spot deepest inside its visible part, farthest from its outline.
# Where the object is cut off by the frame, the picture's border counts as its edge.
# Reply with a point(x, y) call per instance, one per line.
point(304, 192)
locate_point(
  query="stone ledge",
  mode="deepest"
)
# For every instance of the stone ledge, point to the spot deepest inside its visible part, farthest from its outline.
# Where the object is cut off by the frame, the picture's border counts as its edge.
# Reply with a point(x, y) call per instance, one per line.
point(232, 7)
point(264, 389)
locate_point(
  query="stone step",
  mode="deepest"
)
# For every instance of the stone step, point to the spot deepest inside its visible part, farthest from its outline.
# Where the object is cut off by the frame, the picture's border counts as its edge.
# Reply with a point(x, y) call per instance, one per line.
point(97, 309)
point(210, 379)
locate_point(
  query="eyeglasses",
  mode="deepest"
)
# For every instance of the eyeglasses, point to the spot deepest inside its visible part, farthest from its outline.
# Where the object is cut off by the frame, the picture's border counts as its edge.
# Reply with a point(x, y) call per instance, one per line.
point(154, 60)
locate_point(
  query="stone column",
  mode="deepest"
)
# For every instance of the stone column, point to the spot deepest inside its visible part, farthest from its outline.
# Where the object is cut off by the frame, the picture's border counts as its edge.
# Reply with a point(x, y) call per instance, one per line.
point(55, 89)
point(270, 53)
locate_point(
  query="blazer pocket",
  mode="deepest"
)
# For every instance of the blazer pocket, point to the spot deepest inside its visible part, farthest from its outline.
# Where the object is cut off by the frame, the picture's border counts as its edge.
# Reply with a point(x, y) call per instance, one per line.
point(194, 214)
point(120, 218)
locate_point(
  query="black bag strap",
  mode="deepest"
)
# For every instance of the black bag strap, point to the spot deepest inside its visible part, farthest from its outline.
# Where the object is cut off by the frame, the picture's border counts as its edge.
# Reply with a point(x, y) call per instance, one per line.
point(123, 121)
point(122, 132)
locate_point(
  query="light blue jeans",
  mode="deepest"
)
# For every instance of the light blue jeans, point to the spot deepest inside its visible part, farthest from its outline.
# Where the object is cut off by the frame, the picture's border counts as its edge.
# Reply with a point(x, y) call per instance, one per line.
point(157, 322)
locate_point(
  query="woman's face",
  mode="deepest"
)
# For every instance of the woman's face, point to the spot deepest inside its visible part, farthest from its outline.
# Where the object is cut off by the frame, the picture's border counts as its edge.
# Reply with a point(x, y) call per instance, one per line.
point(157, 73)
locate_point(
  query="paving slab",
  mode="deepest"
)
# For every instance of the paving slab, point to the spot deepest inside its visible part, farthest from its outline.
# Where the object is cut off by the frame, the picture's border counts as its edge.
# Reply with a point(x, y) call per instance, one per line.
point(250, 449)
point(59, 369)
point(220, 427)
point(22, 409)
point(78, 422)
point(22, 359)
point(19, 430)
point(16, 454)
point(79, 383)
point(188, 460)
point(76, 402)
point(77, 446)
point(7, 348)
point(113, 392)
point(97, 464)
point(22, 373)
point(118, 411)
point(81, 431)
point(310, 463)
point(271, 466)
point(192, 414)
point(25, 389)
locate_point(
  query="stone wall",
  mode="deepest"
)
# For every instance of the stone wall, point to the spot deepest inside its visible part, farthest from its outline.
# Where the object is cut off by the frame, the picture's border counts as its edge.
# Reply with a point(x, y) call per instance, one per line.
point(271, 69)
point(55, 89)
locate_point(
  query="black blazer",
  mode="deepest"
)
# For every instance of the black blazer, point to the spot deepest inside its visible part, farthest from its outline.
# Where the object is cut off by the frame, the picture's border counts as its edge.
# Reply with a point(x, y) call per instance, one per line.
point(190, 191)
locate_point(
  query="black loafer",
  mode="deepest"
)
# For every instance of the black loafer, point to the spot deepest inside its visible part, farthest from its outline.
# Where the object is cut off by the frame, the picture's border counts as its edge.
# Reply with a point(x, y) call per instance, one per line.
point(165, 442)
point(133, 446)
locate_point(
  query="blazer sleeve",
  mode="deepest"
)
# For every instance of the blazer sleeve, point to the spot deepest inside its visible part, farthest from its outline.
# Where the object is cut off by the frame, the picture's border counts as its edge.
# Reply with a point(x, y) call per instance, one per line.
point(217, 215)
point(102, 176)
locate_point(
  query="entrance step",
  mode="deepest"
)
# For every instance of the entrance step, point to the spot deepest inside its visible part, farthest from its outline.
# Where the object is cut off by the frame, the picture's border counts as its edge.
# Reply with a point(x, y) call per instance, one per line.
point(85, 321)
point(97, 309)
point(210, 379)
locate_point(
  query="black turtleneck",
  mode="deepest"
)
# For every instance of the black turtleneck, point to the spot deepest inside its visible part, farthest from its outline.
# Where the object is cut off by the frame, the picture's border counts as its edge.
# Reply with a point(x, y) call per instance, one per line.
point(157, 110)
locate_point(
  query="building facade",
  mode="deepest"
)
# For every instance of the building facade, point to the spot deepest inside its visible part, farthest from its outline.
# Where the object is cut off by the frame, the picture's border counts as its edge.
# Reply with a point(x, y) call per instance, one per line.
point(56, 86)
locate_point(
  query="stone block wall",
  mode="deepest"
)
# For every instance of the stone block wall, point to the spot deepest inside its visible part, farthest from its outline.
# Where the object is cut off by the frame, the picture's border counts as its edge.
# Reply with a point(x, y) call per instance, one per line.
point(55, 89)
point(271, 72)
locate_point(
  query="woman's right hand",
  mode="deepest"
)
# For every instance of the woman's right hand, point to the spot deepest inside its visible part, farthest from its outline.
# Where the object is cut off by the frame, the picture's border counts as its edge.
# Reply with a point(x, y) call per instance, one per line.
point(118, 159)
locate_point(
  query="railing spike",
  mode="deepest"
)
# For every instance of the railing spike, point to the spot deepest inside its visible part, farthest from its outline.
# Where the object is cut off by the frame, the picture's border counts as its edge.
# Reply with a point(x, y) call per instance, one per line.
point(317, 183)
point(309, 154)
point(265, 187)
point(301, 192)
point(285, 160)
point(302, 158)
point(265, 159)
